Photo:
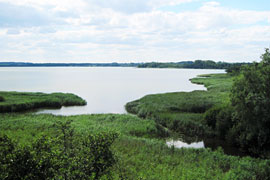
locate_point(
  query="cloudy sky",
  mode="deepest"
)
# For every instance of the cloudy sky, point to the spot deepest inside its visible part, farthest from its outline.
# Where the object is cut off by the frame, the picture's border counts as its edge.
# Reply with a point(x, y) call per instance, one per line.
point(133, 30)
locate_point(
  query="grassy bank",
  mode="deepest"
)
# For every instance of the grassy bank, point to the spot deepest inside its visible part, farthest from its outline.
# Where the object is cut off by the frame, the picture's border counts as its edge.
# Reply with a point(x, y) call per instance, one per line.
point(182, 112)
point(22, 101)
point(139, 152)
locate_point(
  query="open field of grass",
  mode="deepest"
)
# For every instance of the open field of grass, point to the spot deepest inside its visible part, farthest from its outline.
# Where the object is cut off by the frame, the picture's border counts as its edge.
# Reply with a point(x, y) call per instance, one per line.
point(26, 127)
point(22, 101)
point(182, 112)
point(139, 151)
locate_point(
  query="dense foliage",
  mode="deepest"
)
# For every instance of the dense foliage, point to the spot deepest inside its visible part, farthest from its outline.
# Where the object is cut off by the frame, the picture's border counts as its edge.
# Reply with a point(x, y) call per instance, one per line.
point(219, 118)
point(66, 156)
point(1, 99)
point(245, 120)
point(22, 101)
point(198, 64)
point(251, 101)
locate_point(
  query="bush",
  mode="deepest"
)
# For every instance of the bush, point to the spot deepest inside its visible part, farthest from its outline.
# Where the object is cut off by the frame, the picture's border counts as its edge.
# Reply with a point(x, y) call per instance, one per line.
point(219, 118)
point(2, 99)
point(210, 116)
point(67, 156)
point(224, 121)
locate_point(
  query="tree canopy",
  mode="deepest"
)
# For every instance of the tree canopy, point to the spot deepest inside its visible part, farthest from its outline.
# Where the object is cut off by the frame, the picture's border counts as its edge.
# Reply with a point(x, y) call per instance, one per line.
point(250, 98)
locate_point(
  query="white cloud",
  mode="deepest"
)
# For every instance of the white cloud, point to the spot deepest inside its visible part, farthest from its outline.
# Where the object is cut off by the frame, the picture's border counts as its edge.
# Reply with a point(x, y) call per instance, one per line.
point(13, 31)
point(130, 30)
point(211, 4)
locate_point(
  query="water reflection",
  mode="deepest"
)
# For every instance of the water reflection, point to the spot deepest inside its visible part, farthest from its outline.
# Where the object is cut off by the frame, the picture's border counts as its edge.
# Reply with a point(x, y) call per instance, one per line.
point(212, 143)
point(181, 144)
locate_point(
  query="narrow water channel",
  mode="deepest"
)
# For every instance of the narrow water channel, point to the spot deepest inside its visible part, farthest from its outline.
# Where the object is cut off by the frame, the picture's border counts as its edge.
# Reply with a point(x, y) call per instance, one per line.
point(206, 143)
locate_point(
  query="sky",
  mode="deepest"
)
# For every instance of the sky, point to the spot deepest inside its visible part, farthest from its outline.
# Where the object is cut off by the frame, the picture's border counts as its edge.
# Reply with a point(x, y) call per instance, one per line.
point(133, 30)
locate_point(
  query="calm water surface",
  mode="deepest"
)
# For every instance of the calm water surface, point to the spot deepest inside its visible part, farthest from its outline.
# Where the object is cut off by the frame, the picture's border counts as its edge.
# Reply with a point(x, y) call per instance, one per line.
point(182, 144)
point(106, 89)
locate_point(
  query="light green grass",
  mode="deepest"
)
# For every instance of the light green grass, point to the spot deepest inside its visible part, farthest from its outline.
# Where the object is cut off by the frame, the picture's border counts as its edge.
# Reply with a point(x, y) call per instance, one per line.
point(23, 101)
point(177, 109)
point(27, 127)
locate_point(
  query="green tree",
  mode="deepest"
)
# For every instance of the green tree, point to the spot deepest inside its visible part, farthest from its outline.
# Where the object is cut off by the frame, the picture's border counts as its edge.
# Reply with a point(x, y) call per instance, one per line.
point(266, 57)
point(250, 98)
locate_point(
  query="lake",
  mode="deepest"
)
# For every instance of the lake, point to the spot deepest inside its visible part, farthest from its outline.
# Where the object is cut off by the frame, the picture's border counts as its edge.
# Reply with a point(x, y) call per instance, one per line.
point(106, 89)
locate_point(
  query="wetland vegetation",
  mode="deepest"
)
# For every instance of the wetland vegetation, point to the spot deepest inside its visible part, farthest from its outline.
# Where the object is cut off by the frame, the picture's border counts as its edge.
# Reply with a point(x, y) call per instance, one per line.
point(183, 112)
point(235, 108)
point(22, 101)
point(124, 146)
point(137, 153)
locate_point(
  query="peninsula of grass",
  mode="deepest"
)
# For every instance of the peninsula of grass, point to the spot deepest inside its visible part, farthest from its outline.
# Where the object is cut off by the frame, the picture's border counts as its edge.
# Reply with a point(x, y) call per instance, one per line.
point(182, 112)
point(23, 101)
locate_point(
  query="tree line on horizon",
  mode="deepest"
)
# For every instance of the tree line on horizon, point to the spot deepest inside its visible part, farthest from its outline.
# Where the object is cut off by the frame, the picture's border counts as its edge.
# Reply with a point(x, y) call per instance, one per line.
point(197, 64)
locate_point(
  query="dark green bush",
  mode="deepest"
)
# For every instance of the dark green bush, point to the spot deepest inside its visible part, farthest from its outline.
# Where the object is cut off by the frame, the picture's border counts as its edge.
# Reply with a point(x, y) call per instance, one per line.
point(219, 118)
point(224, 121)
point(2, 99)
point(67, 156)
point(210, 116)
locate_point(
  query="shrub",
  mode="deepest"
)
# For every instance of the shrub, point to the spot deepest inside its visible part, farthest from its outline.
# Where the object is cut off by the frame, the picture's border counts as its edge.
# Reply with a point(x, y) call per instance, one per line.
point(224, 121)
point(67, 156)
point(210, 116)
point(2, 99)
point(219, 118)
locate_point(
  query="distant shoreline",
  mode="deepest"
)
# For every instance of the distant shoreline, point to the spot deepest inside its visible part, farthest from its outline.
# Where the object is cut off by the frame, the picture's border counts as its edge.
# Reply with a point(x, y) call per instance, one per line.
point(198, 64)
point(27, 64)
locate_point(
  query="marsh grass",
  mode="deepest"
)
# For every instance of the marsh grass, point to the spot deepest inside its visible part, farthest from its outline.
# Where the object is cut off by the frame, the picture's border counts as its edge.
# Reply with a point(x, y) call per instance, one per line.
point(182, 112)
point(139, 152)
point(25, 127)
point(151, 159)
point(23, 101)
